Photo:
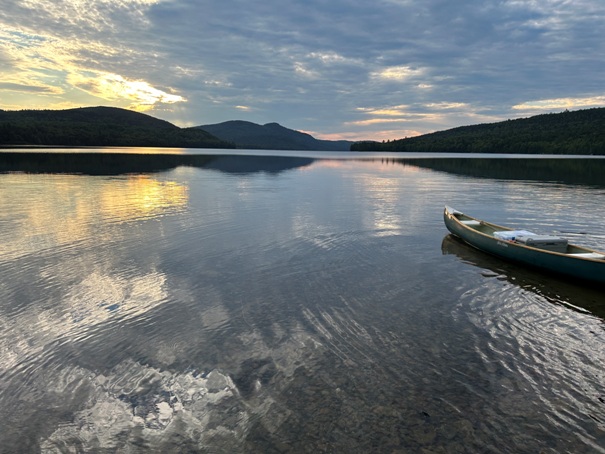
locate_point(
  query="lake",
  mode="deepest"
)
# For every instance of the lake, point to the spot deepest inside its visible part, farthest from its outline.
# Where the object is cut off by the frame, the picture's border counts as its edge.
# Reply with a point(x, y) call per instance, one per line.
point(275, 303)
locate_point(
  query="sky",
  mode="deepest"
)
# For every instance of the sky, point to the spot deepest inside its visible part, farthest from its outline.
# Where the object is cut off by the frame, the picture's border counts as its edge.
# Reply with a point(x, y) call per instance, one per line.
point(337, 69)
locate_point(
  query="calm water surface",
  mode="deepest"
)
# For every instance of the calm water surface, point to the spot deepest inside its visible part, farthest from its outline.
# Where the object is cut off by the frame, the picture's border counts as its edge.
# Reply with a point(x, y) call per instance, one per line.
point(308, 305)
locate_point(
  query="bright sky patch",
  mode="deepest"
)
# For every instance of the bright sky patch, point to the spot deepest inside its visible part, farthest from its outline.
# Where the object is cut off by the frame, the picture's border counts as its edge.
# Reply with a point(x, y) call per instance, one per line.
point(113, 87)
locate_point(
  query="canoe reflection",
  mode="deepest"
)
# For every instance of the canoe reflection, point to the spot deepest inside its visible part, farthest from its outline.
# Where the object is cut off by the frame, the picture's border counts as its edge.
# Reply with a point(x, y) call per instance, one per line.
point(574, 296)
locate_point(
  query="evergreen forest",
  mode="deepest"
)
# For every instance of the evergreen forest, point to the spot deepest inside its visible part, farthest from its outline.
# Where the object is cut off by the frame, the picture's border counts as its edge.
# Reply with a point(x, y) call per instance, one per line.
point(579, 132)
point(98, 126)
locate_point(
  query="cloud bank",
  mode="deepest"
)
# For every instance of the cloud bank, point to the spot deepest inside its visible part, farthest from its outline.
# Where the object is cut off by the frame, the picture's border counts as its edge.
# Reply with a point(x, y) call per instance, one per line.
point(345, 68)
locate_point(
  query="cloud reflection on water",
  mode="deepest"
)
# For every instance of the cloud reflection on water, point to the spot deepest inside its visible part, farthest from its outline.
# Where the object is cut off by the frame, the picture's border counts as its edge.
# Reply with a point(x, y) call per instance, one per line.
point(251, 308)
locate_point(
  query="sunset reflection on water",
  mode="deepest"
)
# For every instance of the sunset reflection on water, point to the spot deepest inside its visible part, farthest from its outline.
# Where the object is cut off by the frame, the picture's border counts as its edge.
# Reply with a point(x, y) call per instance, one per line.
point(77, 204)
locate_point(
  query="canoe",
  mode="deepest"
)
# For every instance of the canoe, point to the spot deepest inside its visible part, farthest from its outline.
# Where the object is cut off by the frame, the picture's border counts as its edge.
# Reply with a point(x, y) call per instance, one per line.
point(549, 253)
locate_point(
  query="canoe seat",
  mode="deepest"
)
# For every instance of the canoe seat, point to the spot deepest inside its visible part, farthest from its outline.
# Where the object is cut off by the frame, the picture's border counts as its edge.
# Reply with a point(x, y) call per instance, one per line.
point(589, 255)
point(471, 223)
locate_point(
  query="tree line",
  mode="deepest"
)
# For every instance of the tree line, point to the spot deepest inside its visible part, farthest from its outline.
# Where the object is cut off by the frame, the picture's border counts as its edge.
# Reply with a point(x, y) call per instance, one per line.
point(98, 126)
point(578, 132)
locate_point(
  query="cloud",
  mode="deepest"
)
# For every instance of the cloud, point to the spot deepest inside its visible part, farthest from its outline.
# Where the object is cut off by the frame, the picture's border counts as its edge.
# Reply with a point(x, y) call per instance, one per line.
point(374, 121)
point(333, 58)
point(446, 105)
point(87, 16)
point(304, 71)
point(407, 113)
point(397, 73)
point(388, 111)
point(311, 64)
point(562, 103)
point(112, 87)
point(34, 87)
point(39, 61)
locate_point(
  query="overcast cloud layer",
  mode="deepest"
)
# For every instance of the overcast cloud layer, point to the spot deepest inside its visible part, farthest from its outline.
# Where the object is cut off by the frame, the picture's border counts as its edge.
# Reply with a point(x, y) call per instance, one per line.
point(349, 69)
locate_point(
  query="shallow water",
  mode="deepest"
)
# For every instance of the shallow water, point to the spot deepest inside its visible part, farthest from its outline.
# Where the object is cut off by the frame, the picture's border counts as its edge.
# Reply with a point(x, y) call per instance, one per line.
point(305, 305)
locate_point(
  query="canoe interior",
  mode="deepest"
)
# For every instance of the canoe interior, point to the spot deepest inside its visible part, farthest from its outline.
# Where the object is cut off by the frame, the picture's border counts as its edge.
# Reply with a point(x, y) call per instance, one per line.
point(488, 229)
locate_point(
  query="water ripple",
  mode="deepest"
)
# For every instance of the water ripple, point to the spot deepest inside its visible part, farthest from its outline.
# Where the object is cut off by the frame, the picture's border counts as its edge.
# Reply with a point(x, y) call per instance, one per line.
point(311, 310)
point(554, 352)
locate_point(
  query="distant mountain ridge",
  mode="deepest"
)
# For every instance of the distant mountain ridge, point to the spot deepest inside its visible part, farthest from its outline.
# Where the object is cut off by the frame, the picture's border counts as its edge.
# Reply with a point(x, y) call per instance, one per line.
point(271, 136)
point(576, 132)
point(99, 126)
point(579, 132)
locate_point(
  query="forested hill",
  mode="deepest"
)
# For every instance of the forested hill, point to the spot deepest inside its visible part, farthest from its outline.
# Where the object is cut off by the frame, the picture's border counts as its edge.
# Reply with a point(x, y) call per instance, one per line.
point(578, 132)
point(98, 126)
point(271, 136)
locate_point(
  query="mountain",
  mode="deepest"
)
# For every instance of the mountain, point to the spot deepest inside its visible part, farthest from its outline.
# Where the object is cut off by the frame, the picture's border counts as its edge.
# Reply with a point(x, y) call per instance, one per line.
point(577, 132)
point(99, 126)
point(271, 136)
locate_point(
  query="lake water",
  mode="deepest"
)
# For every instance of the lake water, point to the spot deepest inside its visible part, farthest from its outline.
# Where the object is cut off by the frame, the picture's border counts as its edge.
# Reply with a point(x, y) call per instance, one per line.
point(283, 305)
